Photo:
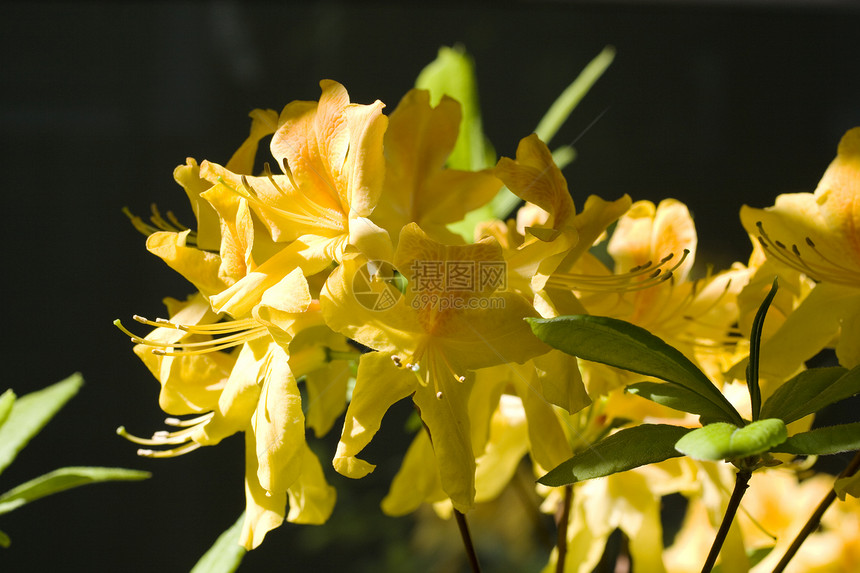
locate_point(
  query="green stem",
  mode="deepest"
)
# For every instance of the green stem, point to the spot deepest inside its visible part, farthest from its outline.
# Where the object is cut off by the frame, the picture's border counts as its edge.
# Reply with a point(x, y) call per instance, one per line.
point(741, 484)
point(813, 521)
point(561, 523)
point(467, 541)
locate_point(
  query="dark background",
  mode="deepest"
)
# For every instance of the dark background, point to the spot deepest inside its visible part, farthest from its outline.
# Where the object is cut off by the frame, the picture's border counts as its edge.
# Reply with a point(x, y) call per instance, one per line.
point(715, 103)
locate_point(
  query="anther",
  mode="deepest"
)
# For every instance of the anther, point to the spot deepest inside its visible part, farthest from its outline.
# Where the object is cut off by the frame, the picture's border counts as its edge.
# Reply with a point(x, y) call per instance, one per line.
point(439, 395)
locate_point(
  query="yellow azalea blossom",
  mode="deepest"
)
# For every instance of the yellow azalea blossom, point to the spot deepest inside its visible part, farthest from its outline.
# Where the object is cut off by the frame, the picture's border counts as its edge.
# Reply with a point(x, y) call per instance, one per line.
point(253, 389)
point(330, 153)
point(190, 252)
point(817, 234)
point(559, 236)
point(417, 186)
point(653, 249)
point(428, 343)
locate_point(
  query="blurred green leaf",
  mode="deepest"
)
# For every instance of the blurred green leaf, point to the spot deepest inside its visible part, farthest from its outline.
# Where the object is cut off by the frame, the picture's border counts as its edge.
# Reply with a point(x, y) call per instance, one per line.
point(723, 441)
point(452, 73)
point(4, 540)
point(621, 451)
point(561, 108)
point(810, 391)
point(226, 554)
point(7, 399)
point(823, 441)
point(678, 398)
point(61, 480)
point(30, 413)
point(627, 346)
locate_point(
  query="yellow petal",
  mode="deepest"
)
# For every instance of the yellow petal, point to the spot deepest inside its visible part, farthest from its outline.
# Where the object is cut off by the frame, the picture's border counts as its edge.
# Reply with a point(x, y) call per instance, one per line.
point(448, 423)
point(278, 424)
point(417, 480)
point(311, 498)
point(199, 267)
point(264, 510)
point(378, 385)
point(534, 176)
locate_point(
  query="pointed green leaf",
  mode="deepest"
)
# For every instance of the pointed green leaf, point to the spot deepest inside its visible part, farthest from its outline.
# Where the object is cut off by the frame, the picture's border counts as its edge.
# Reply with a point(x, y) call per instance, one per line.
point(678, 398)
point(561, 108)
point(30, 413)
point(627, 346)
point(621, 451)
point(823, 441)
point(755, 346)
point(7, 399)
point(61, 480)
point(810, 391)
point(722, 441)
point(226, 554)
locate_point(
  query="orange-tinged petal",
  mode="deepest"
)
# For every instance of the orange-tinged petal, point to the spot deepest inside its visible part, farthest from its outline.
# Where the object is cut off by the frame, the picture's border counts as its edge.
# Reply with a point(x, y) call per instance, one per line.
point(535, 177)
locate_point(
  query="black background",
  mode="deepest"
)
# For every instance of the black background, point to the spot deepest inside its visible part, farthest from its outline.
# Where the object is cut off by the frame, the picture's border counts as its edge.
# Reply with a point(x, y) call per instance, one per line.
point(716, 104)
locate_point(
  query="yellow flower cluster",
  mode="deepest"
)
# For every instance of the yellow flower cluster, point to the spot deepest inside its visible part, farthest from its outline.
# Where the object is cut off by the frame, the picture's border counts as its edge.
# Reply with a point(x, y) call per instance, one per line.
point(334, 267)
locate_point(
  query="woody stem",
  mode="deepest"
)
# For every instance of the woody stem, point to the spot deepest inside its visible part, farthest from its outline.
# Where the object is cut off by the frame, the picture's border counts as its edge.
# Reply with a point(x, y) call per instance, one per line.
point(741, 484)
point(467, 541)
point(563, 519)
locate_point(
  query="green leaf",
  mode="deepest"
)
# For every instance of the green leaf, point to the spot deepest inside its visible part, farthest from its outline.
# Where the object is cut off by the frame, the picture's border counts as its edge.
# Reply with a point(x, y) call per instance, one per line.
point(61, 480)
point(722, 441)
point(755, 346)
point(226, 554)
point(4, 540)
point(678, 398)
point(823, 441)
point(30, 413)
point(7, 399)
point(621, 451)
point(452, 73)
point(627, 346)
point(810, 391)
point(561, 108)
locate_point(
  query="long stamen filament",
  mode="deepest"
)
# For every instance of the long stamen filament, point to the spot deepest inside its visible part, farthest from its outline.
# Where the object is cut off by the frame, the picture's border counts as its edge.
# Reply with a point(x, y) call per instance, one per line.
point(638, 278)
point(824, 269)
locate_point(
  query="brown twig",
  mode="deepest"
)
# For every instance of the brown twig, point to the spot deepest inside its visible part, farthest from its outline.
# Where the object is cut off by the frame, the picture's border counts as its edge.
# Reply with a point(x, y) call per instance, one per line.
point(561, 523)
point(742, 481)
point(467, 541)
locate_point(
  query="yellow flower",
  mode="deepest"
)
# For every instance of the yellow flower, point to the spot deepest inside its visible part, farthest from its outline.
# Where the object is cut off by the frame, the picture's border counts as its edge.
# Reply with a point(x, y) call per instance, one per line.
point(557, 235)
point(252, 389)
point(331, 156)
point(817, 234)
point(417, 187)
point(428, 342)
